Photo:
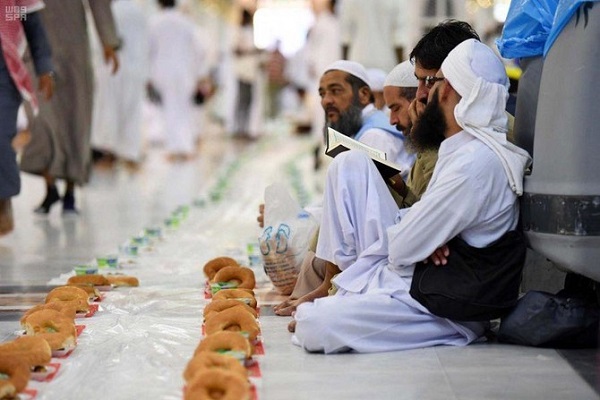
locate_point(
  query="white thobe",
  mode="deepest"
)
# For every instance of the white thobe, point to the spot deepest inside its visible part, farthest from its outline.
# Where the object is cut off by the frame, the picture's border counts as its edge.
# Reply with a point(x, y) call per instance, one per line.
point(383, 140)
point(376, 246)
point(177, 64)
point(118, 98)
point(372, 30)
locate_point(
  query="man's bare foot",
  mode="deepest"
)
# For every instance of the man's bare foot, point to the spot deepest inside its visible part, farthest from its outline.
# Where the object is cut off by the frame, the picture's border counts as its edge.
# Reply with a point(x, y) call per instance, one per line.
point(292, 326)
point(131, 166)
point(286, 308)
point(179, 157)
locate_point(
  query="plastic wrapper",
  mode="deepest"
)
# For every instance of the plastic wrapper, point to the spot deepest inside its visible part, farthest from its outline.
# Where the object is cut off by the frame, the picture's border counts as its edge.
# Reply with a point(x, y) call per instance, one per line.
point(138, 343)
point(564, 13)
point(141, 339)
point(285, 238)
point(526, 28)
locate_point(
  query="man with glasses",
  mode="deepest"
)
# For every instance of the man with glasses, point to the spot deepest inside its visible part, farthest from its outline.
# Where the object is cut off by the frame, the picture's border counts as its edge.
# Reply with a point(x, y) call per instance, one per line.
point(427, 56)
point(472, 195)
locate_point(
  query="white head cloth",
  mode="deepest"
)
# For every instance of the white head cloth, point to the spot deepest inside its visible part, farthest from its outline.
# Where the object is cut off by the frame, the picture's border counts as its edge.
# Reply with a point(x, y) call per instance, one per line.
point(376, 79)
point(351, 67)
point(403, 75)
point(479, 77)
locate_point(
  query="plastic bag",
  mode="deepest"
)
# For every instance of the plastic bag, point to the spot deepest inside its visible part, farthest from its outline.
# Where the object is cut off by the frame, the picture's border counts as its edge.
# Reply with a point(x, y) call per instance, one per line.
point(526, 28)
point(551, 320)
point(285, 238)
point(564, 12)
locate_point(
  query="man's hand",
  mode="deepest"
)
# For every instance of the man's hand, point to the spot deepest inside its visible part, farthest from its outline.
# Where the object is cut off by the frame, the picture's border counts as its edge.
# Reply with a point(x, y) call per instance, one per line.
point(398, 184)
point(439, 256)
point(46, 85)
point(110, 56)
point(261, 216)
point(415, 110)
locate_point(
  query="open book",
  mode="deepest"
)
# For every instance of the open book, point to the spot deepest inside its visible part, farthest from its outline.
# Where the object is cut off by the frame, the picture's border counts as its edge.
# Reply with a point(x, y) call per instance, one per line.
point(338, 142)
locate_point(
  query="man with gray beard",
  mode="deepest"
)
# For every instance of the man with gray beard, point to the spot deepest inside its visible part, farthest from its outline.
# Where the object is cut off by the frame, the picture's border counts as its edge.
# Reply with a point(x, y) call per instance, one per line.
point(471, 203)
point(347, 101)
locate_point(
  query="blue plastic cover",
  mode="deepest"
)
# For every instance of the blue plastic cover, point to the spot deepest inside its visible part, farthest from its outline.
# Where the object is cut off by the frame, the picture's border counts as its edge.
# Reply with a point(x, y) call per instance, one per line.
point(526, 28)
point(564, 12)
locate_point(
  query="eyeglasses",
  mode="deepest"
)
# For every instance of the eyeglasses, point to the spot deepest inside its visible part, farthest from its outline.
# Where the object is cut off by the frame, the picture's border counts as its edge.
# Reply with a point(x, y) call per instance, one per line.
point(429, 81)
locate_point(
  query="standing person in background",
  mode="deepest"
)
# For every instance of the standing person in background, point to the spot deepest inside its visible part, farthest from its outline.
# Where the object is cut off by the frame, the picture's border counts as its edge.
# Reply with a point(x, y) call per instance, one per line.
point(276, 79)
point(376, 78)
point(117, 116)
point(178, 68)
point(373, 32)
point(20, 24)
point(322, 48)
point(60, 134)
point(246, 66)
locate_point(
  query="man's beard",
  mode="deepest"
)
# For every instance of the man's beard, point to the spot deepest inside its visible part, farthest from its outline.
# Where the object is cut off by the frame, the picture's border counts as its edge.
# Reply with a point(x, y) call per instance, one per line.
point(349, 122)
point(428, 132)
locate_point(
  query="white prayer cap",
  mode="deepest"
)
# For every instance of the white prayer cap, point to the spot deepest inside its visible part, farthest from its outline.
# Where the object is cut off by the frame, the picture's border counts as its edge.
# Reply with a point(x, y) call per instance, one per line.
point(351, 67)
point(403, 75)
point(479, 77)
point(376, 79)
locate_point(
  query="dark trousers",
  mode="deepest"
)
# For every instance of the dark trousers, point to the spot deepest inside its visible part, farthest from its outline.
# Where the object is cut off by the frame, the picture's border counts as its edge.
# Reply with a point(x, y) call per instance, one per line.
point(244, 104)
point(10, 100)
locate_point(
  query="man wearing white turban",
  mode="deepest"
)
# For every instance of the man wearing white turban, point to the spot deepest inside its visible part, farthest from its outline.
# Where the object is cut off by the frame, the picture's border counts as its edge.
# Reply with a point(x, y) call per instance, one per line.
point(472, 195)
point(427, 56)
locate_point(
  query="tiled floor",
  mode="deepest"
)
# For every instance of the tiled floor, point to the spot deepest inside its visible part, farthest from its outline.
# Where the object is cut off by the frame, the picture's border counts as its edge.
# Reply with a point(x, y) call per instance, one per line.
point(138, 343)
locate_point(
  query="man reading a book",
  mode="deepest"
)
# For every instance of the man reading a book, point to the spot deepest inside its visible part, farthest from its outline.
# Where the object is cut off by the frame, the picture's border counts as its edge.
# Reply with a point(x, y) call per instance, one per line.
point(473, 194)
point(427, 56)
point(347, 101)
point(348, 105)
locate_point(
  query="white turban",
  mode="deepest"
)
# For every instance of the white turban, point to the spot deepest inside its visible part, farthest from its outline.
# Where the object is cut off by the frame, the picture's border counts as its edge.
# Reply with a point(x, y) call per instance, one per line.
point(376, 79)
point(351, 67)
point(403, 75)
point(479, 77)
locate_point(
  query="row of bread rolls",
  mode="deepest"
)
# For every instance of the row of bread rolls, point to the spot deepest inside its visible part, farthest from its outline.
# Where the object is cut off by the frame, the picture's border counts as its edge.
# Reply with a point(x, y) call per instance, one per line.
point(50, 329)
point(98, 280)
point(217, 368)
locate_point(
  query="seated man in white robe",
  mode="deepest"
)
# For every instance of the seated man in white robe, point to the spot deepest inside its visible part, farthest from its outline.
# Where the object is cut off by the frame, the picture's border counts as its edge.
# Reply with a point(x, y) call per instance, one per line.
point(407, 84)
point(347, 101)
point(313, 279)
point(473, 194)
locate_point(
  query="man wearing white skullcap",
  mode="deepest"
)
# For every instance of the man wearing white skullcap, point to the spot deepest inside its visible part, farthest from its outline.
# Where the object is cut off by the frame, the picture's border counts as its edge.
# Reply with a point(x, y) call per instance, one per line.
point(347, 100)
point(348, 104)
point(427, 56)
point(399, 90)
point(472, 198)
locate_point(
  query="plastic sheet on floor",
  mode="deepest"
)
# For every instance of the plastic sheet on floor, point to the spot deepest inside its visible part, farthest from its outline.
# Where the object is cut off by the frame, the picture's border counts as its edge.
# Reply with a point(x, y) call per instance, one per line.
point(141, 338)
